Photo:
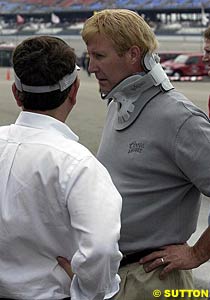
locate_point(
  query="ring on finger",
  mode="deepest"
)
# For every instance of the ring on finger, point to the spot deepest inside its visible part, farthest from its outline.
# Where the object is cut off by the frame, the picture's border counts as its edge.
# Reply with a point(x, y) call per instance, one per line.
point(162, 260)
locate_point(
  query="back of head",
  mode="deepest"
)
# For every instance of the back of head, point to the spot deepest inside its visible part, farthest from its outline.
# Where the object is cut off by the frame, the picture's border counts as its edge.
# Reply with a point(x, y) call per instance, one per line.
point(124, 27)
point(43, 61)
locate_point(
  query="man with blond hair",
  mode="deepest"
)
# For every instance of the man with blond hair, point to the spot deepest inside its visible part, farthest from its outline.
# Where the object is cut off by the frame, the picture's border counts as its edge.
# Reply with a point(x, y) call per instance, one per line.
point(151, 145)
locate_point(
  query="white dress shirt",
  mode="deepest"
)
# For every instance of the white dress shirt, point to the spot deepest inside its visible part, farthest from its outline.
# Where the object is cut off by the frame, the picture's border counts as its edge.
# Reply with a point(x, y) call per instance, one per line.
point(55, 199)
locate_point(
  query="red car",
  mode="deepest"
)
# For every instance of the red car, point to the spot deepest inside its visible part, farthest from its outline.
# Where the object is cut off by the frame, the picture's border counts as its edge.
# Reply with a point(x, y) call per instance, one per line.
point(189, 64)
point(168, 55)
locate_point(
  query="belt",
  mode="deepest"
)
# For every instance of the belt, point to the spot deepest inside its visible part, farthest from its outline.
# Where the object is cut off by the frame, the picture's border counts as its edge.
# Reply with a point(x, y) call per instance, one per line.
point(130, 258)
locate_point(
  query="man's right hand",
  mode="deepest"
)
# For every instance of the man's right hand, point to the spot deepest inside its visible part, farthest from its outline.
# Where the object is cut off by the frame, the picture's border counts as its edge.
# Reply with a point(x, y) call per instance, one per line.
point(66, 265)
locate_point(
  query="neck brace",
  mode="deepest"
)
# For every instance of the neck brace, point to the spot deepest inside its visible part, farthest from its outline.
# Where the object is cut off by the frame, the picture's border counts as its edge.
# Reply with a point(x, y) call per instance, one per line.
point(128, 91)
point(63, 84)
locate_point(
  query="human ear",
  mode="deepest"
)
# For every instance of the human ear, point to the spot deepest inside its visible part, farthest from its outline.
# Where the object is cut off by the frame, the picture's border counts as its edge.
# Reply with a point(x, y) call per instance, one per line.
point(73, 91)
point(16, 95)
point(134, 54)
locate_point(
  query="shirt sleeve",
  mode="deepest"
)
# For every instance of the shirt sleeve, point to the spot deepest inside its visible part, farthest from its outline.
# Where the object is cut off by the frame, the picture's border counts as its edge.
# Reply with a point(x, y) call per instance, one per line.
point(192, 151)
point(94, 206)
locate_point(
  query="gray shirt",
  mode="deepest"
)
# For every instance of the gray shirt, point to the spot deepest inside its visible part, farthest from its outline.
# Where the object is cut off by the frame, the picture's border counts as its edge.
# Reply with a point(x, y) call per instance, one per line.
point(159, 160)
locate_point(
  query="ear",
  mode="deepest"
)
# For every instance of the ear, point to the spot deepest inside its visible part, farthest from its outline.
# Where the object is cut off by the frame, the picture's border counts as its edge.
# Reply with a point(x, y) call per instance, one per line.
point(16, 95)
point(73, 91)
point(134, 55)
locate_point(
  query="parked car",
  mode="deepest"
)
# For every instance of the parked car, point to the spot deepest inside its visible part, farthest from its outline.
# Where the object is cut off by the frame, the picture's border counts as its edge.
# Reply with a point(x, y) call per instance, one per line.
point(190, 64)
point(168, 55)
point(6, 52)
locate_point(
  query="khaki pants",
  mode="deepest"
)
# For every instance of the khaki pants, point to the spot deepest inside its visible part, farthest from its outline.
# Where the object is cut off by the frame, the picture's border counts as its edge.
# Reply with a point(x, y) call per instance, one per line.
point(138, 285)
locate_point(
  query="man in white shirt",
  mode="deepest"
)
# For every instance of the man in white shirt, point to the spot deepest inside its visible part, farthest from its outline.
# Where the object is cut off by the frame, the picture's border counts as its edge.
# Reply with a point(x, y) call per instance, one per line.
point(56, 199)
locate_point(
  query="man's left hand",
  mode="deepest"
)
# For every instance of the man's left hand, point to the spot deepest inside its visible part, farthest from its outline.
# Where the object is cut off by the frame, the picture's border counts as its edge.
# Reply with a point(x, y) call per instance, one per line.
point(181, 257)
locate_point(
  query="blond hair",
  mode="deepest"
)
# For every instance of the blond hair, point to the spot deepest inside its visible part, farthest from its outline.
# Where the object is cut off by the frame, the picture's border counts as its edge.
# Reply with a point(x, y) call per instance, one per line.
point(207, 33)
point(124, 27)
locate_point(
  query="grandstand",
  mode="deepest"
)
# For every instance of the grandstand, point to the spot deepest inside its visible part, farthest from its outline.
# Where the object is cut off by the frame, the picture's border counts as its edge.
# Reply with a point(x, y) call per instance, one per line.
point(33, 6)
point(164, 15)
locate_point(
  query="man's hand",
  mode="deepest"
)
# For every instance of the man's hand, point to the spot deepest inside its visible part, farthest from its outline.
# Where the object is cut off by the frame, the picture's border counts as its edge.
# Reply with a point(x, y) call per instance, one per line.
point(66, 265)
point(181, 257)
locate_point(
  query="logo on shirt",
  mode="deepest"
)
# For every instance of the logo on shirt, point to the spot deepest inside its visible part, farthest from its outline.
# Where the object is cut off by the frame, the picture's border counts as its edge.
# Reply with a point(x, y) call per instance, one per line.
point(135, 147)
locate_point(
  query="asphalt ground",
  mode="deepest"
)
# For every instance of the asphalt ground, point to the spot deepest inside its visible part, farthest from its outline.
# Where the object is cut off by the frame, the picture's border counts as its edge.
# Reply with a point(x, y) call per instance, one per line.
point(88, 116)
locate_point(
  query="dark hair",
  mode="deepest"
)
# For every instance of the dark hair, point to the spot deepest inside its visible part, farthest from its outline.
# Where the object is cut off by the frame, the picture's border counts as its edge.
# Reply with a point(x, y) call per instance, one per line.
point(42, 61)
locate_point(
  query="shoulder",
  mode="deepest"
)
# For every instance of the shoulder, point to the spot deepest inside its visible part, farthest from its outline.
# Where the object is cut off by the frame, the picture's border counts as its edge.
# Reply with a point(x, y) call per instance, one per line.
point(4, 129)
point(66, 148)
point(176, 105)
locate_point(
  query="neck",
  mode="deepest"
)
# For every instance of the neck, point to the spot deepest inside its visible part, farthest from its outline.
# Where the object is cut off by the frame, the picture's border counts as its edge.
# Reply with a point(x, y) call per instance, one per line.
point(60, 113)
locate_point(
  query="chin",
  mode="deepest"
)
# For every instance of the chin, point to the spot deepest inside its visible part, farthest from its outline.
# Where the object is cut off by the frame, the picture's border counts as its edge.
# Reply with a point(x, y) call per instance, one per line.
point(104, 91)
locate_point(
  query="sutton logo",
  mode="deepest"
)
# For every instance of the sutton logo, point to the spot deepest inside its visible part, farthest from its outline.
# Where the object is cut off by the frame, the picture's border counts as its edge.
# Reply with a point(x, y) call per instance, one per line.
point(181, 294)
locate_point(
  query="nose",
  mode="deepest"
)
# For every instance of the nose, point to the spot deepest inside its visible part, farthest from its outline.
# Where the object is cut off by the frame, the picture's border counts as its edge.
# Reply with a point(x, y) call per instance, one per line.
point(92, 67)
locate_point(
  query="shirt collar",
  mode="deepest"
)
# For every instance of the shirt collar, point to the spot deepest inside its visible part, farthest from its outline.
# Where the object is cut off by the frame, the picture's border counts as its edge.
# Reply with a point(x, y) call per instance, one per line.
point(45, 122)
point(131, 95)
